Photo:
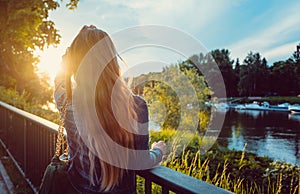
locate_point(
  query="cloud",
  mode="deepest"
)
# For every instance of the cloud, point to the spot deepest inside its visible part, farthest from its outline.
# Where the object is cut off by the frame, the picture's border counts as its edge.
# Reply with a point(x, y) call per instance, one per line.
point(272, 39)
point(191, 15)
point(205, 20)
point(281, 51)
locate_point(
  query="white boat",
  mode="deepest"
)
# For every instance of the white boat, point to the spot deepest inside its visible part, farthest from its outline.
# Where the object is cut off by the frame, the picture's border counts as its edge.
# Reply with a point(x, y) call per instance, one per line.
point(240, 107)
point(256, 106)
point(280, 107)
point(284, 105)
point(221, 107)
point(295, 109)
point(295, 117)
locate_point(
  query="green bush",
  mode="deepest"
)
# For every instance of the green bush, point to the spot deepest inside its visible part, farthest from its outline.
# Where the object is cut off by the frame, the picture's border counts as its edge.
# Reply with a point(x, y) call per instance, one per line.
point(20, 101)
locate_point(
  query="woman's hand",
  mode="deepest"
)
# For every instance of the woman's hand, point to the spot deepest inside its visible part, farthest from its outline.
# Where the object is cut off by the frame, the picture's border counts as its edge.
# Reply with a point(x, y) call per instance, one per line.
point(160, 145)
point(85, 27)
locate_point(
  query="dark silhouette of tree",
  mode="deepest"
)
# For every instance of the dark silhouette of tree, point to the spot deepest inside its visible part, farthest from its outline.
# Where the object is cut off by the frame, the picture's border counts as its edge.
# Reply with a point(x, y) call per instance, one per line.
point(283, 78)
point(296, 57)
point(285, 75)
point(251, 78)
point(254, 76)
point(225, 63)
point(237, 71)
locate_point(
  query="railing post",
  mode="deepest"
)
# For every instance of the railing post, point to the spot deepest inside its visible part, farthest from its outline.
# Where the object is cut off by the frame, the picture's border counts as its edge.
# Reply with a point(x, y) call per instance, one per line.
point(25, 144)
point(148, 186)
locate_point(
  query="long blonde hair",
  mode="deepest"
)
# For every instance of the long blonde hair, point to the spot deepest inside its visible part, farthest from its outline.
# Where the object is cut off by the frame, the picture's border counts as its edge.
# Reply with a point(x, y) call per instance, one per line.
point(106, 86)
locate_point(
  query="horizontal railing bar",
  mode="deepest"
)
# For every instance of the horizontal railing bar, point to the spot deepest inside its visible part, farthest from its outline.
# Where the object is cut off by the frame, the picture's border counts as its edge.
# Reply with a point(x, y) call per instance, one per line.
point(33, 118)
point(179, 182)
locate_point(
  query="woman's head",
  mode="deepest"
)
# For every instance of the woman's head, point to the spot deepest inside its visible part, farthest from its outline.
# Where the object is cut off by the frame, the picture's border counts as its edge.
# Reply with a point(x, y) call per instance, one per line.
point(105, 55)
point(83, 42)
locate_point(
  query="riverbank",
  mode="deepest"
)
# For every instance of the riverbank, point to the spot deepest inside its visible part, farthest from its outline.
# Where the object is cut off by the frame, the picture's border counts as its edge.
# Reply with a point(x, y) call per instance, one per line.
point(237, 171)
point(273, 100)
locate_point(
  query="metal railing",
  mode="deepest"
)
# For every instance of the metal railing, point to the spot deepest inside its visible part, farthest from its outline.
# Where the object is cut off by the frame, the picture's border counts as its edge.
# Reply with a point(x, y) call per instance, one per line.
point(30, 141)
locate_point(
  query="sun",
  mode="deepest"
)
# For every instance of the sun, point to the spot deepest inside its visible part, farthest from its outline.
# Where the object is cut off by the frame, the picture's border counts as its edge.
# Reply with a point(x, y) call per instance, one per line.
point(50, 61)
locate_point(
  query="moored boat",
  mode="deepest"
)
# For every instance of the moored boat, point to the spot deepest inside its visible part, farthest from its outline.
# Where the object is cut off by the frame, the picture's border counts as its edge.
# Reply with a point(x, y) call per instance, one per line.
point(281, 107)
point(221, 107)
point(240, 107)
point(295, 109)
point(256, 106)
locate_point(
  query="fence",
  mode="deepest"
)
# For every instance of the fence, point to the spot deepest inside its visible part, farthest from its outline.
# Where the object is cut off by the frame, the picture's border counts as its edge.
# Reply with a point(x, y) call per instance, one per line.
point(30, 141)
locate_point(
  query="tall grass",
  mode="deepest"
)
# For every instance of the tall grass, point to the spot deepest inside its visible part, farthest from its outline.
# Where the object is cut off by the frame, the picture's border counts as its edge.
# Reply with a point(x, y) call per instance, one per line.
point(222, 176)
point(236, 171)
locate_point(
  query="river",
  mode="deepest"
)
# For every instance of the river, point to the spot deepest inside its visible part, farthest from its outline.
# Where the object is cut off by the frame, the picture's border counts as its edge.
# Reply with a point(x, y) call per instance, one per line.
point(266, 133)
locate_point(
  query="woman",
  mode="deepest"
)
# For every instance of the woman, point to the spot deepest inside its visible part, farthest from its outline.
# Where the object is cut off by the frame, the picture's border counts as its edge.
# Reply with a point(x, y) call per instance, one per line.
point(103, 152)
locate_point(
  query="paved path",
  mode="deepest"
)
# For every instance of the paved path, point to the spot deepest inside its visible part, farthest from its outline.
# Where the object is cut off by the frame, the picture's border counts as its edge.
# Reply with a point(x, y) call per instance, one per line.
point(6, 186)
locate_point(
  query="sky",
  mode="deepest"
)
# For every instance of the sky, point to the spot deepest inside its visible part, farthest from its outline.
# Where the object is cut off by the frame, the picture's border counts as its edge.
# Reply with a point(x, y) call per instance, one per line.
point(270, 27)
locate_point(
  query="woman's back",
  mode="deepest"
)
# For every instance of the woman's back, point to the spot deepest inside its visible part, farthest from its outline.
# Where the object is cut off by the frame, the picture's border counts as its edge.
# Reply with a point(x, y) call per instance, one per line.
point(94, 132)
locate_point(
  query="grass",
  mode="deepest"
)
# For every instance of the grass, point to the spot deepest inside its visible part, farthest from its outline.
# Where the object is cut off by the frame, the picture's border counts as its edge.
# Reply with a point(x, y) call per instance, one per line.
point(238, 171)
point(282, 99)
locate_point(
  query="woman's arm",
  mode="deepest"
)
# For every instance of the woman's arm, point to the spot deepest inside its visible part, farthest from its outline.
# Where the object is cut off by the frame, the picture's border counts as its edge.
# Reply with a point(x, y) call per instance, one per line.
point(158, 149)
point(60, 91)
point(60, 96)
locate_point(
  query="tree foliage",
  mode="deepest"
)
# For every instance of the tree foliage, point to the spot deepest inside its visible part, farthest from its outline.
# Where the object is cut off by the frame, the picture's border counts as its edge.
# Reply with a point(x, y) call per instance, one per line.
point(173, 97)
point(253, 77)
point(225, 63)
point(286, 77)
point(205, 66)
point(25, 27)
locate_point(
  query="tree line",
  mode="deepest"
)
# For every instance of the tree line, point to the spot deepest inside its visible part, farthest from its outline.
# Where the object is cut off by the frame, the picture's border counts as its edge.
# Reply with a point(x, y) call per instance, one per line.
point(253, 76)
point(168, 93)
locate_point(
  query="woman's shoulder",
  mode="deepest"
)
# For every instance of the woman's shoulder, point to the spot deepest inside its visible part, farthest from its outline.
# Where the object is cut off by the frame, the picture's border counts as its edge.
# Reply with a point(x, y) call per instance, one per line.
point(139, 100)
point(141, 108)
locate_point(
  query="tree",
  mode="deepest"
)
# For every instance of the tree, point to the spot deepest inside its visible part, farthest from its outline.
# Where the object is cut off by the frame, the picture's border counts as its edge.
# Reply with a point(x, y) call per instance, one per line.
point(254, 76)
point(285, 75)
point(296, 54)
point(24, 27)
point(169, 98)
point(296, 57)
point(194, 62)
point(222, 58)
point(237, 72)
point(205, 65)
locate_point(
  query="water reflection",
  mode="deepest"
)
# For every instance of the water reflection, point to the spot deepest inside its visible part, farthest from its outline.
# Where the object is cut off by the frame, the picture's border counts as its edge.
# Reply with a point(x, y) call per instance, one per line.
point(295, 117)
point(267, 133)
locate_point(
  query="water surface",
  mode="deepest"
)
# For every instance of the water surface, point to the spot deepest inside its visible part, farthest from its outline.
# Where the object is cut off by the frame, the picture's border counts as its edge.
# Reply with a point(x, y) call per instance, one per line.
point(266, 133)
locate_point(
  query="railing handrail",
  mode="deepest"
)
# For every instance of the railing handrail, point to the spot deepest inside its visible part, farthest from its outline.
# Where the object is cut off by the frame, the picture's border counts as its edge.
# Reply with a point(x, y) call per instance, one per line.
point(179, 182)
point(34, 118)
point(169, 179)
